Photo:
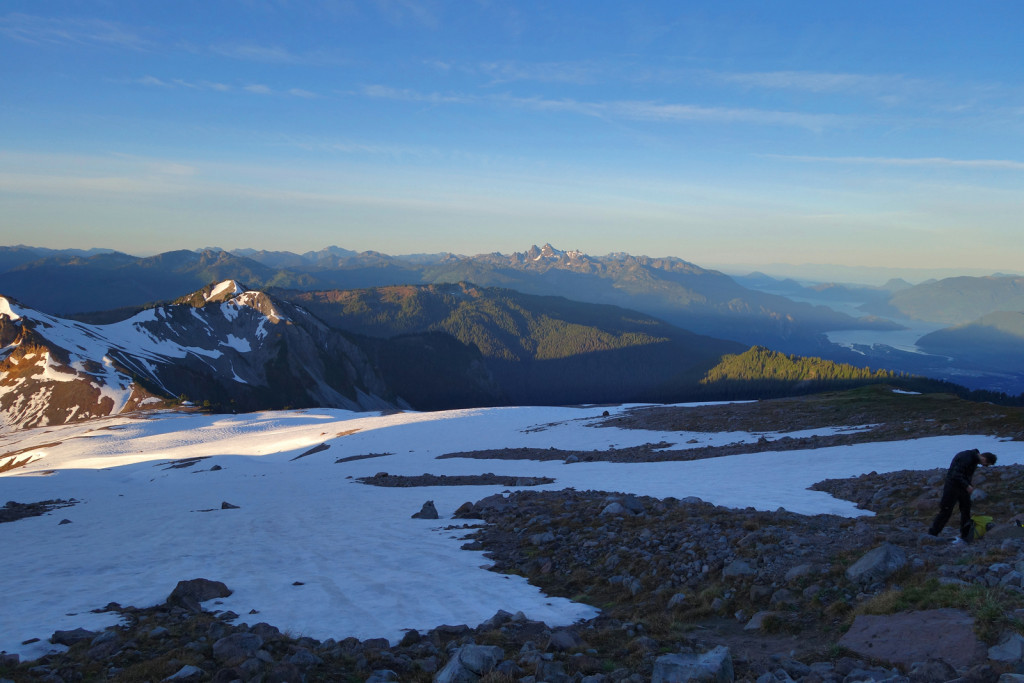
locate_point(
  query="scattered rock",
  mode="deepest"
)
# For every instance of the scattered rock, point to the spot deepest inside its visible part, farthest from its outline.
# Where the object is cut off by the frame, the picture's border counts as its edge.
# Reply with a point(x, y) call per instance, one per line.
point(878, 564)
point(189, 594)
point(428, 511)
point(714, 665)
point(469, 663)
point(69, 638)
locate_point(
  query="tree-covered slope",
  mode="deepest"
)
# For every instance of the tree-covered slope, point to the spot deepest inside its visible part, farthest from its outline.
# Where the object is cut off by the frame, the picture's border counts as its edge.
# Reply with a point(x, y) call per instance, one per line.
point(540, 349)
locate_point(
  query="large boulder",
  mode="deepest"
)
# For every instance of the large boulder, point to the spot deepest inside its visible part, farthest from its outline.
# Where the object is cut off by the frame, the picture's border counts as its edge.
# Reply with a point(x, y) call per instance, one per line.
point(469, 664)
point(713, 666)
point(877, 564)
point(909, 637)
point(1009, 651)
point(188, 594)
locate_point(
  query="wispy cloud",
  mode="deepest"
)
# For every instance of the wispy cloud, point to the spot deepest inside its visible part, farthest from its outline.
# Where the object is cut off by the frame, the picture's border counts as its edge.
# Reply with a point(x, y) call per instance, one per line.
point(821, 82)
point(272, 54)
point(626, 109)
point(933, 162)
point(251, 88)
point(404, 11)
point(71, 31)
point(258, 89)
point(578, 73)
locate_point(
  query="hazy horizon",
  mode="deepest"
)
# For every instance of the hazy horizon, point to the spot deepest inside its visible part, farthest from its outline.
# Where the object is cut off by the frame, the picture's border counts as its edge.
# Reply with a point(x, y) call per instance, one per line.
point(874, 135)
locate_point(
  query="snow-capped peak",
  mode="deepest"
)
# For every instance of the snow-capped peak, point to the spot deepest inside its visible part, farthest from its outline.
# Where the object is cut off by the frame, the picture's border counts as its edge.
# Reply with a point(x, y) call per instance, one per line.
point(7, 308)
point(222, 291)
point(550, 253)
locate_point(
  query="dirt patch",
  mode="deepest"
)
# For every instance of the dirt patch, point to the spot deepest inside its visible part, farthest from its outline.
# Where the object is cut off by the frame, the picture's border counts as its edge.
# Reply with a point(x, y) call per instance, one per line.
point(9, 461)
point(393, 480)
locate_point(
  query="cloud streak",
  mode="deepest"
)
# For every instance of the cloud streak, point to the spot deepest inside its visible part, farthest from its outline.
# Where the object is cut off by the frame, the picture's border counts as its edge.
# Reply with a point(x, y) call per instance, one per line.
point(932, 162)
point(634, 110)
point(68, 31)
point(251, 88)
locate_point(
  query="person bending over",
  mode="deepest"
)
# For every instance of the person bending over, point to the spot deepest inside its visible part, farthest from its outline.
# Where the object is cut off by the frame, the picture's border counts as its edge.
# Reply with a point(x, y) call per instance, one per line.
point(957, 491)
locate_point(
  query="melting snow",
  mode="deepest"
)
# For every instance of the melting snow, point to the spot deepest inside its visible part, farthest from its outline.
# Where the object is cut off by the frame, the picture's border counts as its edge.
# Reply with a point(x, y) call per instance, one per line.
point(140, 527)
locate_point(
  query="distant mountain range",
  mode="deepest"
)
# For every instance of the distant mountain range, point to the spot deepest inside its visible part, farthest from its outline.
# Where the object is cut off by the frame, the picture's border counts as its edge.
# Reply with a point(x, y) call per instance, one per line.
point(702, 301)
point(99, 286)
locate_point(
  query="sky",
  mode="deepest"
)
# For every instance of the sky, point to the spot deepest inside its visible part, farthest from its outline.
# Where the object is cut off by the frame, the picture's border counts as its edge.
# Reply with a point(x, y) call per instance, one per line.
point(848, 133)
point(140, 526)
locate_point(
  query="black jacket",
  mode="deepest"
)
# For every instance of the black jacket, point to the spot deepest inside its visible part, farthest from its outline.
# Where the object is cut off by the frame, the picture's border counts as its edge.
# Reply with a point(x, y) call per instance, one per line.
point(962, 468)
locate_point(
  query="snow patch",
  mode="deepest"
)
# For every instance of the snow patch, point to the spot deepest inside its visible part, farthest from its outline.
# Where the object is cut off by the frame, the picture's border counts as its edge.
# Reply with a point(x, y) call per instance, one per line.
point(9, 309)
point(237, 343)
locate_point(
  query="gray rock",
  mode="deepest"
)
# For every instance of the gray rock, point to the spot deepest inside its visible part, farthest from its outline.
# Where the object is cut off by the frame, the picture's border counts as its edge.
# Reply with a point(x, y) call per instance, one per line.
point(188, 594)
point(303, 658)
point(552, 672)
point(541, 539)
point(1009, 651)
point(187, 673)
point(910, 637)
point(931, 670)
point(236, 648)
point(563, 640)
point(783, 597)
point(677, 600)
point(615, 508)
point(714, 665)
point(877, 564)
point(69, 638)
point(1011, 578)
point(800, 571)
point(428, 511)
point(737, 568)
point(469, 663)
point(383, 676)
point(756, 622)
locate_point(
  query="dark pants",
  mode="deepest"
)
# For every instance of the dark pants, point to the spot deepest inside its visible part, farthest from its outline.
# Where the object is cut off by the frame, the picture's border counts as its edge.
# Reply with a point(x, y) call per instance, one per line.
point(953, 494)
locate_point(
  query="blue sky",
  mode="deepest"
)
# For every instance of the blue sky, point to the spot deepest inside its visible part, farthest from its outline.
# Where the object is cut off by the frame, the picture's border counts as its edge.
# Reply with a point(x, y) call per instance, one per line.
point(848, 133)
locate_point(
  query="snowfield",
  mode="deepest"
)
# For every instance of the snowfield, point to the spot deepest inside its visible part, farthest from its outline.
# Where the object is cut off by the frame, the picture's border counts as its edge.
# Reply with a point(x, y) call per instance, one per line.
point(366, 568)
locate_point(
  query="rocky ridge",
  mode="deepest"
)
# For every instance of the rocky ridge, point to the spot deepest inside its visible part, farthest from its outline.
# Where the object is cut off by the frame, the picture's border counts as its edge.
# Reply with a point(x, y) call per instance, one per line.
point(224, 346)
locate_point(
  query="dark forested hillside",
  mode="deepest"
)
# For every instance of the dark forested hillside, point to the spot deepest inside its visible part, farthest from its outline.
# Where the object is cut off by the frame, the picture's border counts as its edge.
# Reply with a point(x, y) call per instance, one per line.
point(539, 349)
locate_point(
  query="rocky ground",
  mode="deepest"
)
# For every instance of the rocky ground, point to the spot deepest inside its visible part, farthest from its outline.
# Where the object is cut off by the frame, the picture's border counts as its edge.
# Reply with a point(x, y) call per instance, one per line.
point(684, 587)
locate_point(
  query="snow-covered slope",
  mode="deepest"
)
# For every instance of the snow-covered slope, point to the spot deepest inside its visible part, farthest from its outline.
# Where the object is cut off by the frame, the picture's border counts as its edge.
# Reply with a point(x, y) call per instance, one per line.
point(366, 568)
point(222, 344)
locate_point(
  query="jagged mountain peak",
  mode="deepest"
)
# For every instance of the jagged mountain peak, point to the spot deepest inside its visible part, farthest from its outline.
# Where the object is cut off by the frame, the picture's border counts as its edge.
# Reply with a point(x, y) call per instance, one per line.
point(223, 344)
point(551, 253)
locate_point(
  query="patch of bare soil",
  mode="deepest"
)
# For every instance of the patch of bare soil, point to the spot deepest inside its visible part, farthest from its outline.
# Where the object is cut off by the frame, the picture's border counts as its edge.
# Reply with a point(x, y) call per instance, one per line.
point(396, 480)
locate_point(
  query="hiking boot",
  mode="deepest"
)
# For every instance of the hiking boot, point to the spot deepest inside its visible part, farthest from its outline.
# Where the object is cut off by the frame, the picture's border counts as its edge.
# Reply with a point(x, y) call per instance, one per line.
point(959, 541)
